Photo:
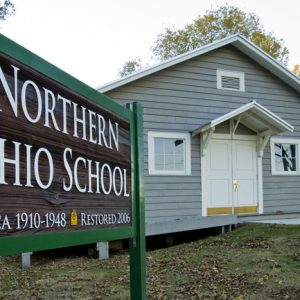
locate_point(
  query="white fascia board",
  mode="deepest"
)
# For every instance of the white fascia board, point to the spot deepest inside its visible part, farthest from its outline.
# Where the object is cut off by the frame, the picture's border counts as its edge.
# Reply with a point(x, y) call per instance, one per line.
point(223, 118)
point(202, 129)
point(274, 117)
point(277, 121)
point(232, 114)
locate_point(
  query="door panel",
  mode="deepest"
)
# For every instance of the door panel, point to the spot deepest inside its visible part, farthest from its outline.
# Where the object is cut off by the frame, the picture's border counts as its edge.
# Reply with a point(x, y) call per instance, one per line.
point(220, 194)
point(230, 161)
point(244, 169)
point(220, 156)
point(218, 179)
point(245, 195)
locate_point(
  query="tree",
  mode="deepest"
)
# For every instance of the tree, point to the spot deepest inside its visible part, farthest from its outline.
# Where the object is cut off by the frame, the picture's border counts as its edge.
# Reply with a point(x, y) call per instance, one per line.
point(130, 66)
point(296, 70)
point(216, 24)
point(7, 8)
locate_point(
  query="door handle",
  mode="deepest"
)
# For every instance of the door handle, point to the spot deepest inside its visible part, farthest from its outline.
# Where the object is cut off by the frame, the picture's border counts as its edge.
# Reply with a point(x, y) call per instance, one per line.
point(235, 185)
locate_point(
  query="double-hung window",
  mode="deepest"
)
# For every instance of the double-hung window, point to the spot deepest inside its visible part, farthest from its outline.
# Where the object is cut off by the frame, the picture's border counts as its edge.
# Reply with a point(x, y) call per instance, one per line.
point(169, 153)
point(285, 156)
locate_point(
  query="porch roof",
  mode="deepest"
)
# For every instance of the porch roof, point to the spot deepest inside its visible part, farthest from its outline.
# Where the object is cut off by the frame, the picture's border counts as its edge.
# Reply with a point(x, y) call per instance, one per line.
point(254, 116)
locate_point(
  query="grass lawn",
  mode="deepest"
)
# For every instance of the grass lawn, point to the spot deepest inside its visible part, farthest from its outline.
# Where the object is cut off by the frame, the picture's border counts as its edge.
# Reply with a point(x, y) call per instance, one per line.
point(252, 262)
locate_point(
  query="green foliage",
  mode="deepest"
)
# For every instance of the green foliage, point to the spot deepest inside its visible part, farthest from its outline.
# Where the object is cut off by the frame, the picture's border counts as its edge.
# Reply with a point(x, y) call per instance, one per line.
point(130, 66)
point(216, 24)
point(7, 8)
point(296, 70)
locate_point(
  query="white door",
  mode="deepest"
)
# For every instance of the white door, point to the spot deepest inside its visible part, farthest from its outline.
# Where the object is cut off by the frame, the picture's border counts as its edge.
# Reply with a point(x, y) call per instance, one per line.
point(217, 185)
point(230, 177)
point(244, 173)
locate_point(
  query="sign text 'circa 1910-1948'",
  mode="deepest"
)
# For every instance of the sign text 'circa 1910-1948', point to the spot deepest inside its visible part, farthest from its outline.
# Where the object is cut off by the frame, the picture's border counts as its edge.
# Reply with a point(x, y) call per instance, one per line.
point(64, 160)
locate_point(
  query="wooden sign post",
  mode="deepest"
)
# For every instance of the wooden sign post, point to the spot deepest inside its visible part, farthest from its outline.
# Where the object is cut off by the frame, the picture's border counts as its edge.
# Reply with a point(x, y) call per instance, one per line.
point(71, 163)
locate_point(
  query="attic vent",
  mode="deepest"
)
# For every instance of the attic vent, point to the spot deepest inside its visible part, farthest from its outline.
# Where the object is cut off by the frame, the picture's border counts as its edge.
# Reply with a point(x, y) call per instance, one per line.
point(228, 80)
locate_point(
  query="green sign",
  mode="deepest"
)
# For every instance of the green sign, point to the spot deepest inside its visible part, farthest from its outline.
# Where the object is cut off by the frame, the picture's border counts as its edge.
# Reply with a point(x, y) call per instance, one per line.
point(71, 163)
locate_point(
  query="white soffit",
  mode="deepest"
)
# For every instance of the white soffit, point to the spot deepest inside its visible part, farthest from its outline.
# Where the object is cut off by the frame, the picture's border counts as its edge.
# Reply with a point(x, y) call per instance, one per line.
point(253, 115)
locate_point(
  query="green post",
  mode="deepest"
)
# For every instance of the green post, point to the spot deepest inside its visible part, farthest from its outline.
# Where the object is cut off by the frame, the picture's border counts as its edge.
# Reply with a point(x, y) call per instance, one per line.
point(137, 243)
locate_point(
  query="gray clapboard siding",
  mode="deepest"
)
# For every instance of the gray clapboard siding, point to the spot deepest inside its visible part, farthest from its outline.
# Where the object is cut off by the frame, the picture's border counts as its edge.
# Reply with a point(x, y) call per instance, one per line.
point(278, 179)
point(171, 213)
point(283, 190)
point(206, 63)
point(195, 116)
point(185, 76)
point(226, 99)
point(290, 202)
point(208, 100)
point(183, 97)
point(209, 81)
point(165, 107)
point(192, 203)
point(282, 209)
point(280, 199)
point(192, 97)
point(173, 192)
point(155, 180)
point(273, 183)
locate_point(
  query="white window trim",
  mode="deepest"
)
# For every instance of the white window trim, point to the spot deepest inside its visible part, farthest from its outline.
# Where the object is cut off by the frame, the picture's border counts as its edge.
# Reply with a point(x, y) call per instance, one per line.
point(235, 74)
point(284, 141)
point(151, 162)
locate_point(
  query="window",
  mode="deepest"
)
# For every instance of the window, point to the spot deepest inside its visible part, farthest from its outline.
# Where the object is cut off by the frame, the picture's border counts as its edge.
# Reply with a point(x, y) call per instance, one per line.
point(169, 153)
point(285, 156)
point(230, 80)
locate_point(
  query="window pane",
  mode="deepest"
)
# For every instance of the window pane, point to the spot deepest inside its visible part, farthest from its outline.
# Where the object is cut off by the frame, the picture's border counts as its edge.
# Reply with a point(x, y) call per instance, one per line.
point(169, 154)
point(278, 151)
point(169, 146)
point(289, 164)
point(285, 157)
point(159, 162)
point(179, 146)
point(169, 162)
point(179, 163)
point(159, 146)
point(278, 164)
point(288, 150)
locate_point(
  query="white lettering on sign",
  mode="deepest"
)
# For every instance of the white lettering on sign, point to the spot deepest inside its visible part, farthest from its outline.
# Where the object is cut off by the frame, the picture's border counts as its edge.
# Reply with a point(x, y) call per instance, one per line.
point(86, 124)
point(4, 223)
point(50, 104)
point(16, 163)
point(12, 100)
point(104, 219)
point(97, 219)
point(101, 178)
point(38, 220)
point(38, 100)
point(52, 110)
point(36, 168)
point(4, 161)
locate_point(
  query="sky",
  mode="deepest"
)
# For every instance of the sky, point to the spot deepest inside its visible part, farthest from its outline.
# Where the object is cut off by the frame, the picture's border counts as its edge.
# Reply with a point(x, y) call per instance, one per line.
point(92, 39)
